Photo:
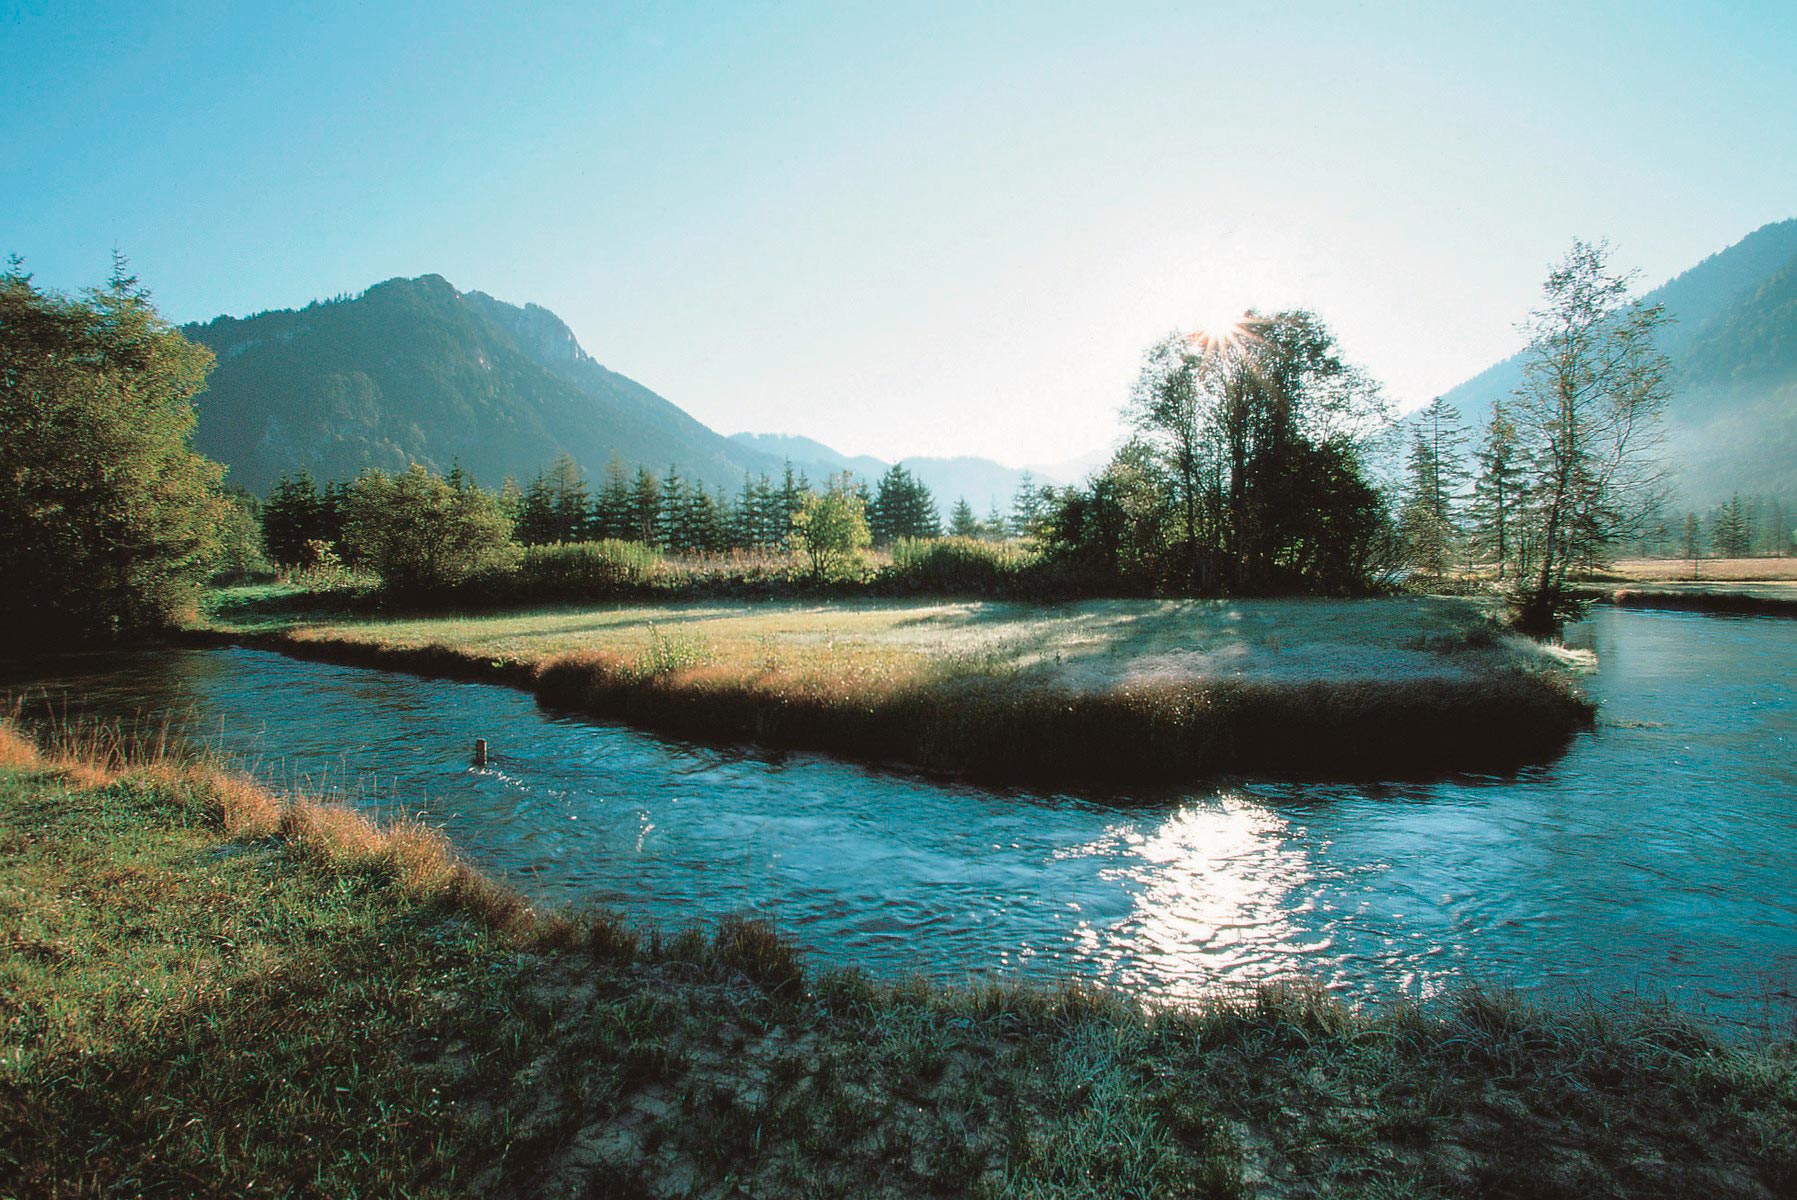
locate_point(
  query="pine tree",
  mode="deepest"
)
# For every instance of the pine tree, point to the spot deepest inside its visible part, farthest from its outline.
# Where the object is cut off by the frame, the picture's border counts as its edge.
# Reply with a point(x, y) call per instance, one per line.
point(1497, 492)
point(611, 510)
point(511, 499)
point(645, 508)
point(569, 509)
point(1693, 541)
point(962, 522)
point(1730, 534)
point(672, 533)
point(291, 517)
point(536, 524)
point(1427, 532)
point(1026, 507)
point(995, 524)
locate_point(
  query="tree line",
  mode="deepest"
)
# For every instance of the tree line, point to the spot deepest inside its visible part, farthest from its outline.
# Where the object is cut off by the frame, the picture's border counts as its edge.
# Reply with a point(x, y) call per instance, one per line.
point(303, 521)
point(1247, 472)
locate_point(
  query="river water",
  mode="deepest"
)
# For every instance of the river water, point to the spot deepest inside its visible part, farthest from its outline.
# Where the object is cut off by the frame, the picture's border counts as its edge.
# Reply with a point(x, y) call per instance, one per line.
point(1658, 855)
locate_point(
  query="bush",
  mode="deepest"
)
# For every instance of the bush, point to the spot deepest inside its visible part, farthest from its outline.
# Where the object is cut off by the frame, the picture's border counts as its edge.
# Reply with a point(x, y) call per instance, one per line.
point(586, 570)
point(420, 533)
point(959, 564)
point(829, 532)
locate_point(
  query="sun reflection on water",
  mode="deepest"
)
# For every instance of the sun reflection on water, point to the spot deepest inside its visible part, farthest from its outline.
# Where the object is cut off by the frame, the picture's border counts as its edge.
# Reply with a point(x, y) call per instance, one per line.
point(1219, 892)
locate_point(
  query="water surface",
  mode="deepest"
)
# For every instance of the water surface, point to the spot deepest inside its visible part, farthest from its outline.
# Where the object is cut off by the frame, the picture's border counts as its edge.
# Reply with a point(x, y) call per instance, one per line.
point(1659, 854)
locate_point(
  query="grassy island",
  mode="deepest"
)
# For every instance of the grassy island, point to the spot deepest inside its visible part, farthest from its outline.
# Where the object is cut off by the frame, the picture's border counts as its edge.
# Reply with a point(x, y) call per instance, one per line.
point(207, 990)
point(1111, 691)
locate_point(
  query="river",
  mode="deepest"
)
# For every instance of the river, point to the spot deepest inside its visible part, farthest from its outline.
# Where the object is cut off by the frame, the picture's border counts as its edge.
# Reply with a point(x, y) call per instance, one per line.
point(1658, 855)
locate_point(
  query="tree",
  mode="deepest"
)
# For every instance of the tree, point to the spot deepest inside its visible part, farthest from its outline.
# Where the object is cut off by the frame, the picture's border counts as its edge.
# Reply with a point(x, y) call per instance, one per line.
point(108, 519)
point(1730, 532)
point(611, 509)
point(830, 531)
point(419, 533)
point(902, 507)
point(1426, 528)
point(1693, 541)
point(292, 517)
point(536, 512)
point(962, 522)
point(1497, 489)
point(645, 508)
point(570, 512)
point(1594, 385)
point(1027, 506)
point(1226, 421)
point(1427, 521)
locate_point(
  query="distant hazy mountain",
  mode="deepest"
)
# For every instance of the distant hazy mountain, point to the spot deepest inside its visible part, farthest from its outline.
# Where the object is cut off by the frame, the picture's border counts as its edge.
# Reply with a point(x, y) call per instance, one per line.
point(981, 481)
point(414, 370)
point(1732, 422)
point(813, 457)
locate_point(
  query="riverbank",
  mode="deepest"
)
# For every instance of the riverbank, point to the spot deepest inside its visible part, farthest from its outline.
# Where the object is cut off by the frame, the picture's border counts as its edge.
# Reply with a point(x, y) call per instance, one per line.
point(1101, 692)
point(1757, 600)
point(210, 991)
point(1765, 587)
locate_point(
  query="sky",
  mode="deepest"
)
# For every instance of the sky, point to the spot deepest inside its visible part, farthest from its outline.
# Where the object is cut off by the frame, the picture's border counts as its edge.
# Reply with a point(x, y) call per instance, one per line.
point(901, 229)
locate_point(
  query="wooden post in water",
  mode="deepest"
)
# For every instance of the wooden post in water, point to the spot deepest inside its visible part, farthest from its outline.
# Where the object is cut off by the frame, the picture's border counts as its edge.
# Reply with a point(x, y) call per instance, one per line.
point(480, 752)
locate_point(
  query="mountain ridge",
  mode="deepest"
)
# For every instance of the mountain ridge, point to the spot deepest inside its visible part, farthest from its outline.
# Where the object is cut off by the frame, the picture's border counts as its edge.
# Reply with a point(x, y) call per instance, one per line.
point(415, 370)
point(1731, 424)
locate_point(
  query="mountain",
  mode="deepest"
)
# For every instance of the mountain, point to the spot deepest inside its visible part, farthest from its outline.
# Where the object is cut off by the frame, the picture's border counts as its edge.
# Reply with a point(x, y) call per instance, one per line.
point(1732, 420)
point(981, 481)
point(414, 370)
point(815, 458)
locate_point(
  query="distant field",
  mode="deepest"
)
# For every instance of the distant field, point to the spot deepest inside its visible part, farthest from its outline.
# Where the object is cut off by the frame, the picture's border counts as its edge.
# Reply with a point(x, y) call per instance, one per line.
point(1708, 570)
point(1101, 692)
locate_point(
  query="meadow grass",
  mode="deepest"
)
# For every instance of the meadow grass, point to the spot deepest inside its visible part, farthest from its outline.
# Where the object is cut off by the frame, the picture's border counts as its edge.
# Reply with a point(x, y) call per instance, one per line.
point(1092, 692)
point(206, 990)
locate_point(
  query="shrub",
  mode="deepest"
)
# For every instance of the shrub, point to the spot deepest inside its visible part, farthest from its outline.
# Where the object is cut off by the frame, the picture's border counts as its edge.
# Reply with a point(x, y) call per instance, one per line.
point(586, 570)
point(829, 532)
point(959, 564)
point(421, 533)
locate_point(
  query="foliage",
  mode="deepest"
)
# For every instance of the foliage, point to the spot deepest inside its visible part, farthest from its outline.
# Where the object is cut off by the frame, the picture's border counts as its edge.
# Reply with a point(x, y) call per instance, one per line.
point(961, 565)
point(1497, 491)
point(108, 519)
point(1595, 383)
point(298, 514)
point(420, 533)
point(1427, 521)
point(1245, 475)
point(1731, 534)
point(829, 531)
point(239, 554)
point(902, 508)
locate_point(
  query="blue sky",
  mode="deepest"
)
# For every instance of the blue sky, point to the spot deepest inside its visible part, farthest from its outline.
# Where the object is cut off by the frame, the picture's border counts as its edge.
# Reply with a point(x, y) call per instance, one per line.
point(901, 229)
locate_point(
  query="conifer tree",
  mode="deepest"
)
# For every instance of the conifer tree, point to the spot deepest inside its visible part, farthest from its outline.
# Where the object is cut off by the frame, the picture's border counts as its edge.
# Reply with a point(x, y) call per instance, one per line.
point(611, 510)
point(1497, 492)
point(1730, 533)
point(645, 508)
point(291, 517)
point(570, 511)
point(962, 522)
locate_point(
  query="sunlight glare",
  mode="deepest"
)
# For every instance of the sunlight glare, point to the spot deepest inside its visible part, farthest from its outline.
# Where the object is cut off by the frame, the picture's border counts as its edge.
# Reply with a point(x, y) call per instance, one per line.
point(1219, 327)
